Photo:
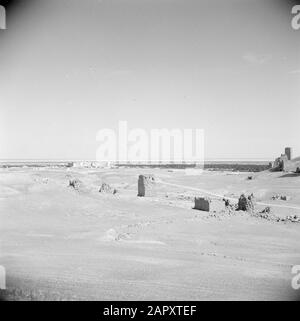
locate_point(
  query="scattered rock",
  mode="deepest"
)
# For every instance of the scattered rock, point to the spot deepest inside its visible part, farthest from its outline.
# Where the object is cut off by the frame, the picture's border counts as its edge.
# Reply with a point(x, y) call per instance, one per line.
point(227, 202)
point(75, 183)
point(229, 206)
point(202, 204)
point(290, 218)
point(246, 203)
point(266, 216)
point(106, 188)
point(266, 210)
point(293, 218)
point(281, 197)
point(43, 180)
point(146, 185)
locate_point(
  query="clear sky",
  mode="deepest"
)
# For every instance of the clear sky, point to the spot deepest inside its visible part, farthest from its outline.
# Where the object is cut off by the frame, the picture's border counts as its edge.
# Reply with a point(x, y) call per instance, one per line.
point(69, 68)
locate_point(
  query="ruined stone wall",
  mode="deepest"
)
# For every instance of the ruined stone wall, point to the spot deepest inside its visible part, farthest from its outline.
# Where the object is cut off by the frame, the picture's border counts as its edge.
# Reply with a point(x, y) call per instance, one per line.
point(202, 204)
point(288, 152)
point(146, 185)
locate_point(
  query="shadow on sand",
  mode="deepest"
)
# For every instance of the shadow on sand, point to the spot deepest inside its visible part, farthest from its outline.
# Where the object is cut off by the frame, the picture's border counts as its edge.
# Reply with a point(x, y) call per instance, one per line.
point(290, 175)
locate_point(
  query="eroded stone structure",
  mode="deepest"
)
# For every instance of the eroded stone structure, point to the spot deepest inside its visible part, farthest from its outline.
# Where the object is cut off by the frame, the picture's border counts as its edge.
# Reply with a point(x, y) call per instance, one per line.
point(146, 185)
point(288, 152)
point(106, 188)
point(202, 204)
point(284, 162)
point(246, 203)
point(281, 163)
point(75, 183)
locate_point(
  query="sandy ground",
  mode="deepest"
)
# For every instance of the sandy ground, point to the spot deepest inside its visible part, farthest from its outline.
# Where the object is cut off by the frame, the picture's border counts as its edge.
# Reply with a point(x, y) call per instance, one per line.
point(58, 243)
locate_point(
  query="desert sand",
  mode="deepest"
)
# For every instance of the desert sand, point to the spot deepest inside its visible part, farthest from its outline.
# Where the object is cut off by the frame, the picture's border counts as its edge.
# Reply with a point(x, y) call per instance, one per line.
point(58, 242)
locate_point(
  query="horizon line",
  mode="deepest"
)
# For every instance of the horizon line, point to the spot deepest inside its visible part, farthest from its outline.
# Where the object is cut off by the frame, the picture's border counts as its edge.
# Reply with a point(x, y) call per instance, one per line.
point(125, 161)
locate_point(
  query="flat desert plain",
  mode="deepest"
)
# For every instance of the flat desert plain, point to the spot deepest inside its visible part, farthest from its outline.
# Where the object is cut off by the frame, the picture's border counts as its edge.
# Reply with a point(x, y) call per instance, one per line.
point(62, 243)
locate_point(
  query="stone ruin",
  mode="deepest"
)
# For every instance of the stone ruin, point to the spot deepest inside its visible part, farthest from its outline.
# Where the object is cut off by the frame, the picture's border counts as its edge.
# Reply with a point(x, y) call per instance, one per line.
point(146, 185)
point(75, 183)
point(246, 203)
point(284, 163)
point(281, 163)
point(106, 188)
point(202, 204)
point(229, 206)
point(289, 153)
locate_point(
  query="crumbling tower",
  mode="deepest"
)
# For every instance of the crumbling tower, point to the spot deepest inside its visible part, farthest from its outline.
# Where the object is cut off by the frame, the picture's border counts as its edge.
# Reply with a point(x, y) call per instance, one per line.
point(288, 152)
